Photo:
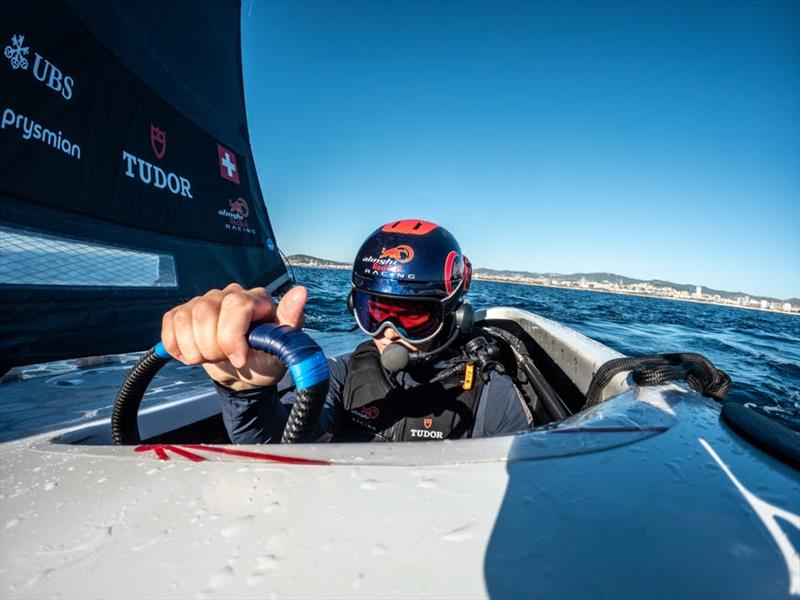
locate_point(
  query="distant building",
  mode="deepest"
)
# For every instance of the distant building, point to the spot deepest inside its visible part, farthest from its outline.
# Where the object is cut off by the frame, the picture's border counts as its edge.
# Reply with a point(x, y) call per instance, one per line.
point(698, 291)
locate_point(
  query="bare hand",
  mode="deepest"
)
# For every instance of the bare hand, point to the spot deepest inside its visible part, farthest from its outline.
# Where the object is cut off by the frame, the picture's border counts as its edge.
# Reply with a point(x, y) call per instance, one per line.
point(211, 330)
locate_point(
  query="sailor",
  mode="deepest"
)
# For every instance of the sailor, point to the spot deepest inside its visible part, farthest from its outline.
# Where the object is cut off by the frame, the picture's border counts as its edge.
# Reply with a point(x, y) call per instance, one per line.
point(425, 374)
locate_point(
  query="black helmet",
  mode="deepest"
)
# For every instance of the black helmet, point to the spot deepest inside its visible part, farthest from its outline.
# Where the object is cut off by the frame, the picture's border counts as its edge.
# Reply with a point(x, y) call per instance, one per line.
point(410, 275)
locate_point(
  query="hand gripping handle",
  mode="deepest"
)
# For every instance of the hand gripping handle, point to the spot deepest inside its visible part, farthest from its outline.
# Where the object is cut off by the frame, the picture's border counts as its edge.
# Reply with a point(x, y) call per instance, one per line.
point(295, 348)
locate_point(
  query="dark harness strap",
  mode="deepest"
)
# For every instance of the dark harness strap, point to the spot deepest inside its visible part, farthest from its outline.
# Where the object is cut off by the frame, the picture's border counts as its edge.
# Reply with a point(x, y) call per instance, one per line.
point(375, 408)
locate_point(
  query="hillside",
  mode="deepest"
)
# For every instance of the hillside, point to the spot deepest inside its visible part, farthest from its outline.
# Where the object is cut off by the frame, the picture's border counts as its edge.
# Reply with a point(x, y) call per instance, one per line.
point(621, 280)
point(305, 260)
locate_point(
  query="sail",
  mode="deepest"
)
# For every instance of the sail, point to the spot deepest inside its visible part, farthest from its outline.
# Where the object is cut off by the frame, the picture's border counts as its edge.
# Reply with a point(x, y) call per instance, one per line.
point(127, 181)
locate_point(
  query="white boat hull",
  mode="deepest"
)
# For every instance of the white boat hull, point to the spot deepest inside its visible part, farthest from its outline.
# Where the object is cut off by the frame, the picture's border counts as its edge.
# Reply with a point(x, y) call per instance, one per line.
point(646, 494)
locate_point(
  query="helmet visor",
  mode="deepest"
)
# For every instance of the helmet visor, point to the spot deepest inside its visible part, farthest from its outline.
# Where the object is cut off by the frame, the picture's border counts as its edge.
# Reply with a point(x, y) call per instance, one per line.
point(415, 320)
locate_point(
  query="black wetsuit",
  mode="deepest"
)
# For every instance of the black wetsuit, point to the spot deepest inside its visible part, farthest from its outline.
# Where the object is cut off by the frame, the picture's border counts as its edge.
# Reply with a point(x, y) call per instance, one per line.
point(411, 408)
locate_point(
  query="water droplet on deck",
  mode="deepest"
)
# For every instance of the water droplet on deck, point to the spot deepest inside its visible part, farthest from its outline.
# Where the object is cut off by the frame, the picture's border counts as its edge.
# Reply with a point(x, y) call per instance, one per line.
point(358, 581)
point(270, 507)
point(219, 578)
point(267, 562)
point(459, 534)
point(238, 527)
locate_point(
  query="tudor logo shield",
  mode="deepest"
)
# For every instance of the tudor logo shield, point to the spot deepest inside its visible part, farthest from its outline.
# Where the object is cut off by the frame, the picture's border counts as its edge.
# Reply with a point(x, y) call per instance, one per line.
point(427, 423)
point(158, 141)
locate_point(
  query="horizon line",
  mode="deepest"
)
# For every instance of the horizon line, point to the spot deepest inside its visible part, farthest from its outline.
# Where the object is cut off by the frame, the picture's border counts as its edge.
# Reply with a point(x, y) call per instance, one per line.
point(549, 273)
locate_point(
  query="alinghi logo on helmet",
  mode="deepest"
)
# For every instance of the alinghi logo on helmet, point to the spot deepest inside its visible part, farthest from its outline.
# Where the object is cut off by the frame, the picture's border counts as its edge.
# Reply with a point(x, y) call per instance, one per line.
point(387, 273)
point(401, 254)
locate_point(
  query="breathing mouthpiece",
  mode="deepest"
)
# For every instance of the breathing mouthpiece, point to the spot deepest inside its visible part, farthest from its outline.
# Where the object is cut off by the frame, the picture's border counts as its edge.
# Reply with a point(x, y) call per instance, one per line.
point(395, 357)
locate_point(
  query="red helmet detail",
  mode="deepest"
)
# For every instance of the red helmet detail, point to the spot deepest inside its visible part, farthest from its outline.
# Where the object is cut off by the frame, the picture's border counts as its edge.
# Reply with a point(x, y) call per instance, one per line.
point(448, 271)
point(467, 275)
point(410, 227)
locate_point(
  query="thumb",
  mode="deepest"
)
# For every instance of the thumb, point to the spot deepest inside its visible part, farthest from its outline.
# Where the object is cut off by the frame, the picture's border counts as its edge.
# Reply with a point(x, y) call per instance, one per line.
point(290, 309)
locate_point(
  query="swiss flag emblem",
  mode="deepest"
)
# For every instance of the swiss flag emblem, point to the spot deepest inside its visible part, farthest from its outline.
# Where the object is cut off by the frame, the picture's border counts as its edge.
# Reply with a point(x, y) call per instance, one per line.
point(227, 164)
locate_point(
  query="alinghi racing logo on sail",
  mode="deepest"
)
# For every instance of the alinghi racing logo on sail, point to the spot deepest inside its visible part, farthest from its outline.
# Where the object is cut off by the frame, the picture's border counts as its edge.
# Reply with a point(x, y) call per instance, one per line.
point(31, 130)
point(43, 70)
point(236, 215)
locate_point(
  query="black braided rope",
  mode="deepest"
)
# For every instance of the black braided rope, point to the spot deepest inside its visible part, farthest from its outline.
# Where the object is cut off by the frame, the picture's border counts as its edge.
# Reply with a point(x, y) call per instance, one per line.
point(304, 415)
point(654, 369)
point(124, 418)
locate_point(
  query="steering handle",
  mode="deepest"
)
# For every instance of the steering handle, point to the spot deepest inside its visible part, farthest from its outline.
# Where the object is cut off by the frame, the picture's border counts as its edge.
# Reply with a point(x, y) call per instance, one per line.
point(293, 347)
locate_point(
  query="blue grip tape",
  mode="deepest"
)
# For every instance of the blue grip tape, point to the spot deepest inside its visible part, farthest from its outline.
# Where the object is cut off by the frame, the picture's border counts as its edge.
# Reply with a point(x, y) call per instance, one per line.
point(295, 349)
point(161, 352)
point(310, 372)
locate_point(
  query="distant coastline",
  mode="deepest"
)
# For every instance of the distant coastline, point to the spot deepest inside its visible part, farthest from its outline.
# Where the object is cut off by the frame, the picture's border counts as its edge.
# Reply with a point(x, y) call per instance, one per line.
point(603, 282)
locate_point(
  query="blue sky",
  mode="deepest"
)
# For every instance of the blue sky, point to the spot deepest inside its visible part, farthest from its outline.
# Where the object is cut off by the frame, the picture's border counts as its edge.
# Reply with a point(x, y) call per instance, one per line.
point(650, 139)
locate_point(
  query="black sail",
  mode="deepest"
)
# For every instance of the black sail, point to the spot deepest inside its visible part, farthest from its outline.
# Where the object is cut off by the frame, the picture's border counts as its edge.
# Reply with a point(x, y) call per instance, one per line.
point(127, 181)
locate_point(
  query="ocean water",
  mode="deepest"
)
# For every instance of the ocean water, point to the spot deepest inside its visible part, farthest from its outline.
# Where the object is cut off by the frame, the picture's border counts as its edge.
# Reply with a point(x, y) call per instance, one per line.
point(759, 350)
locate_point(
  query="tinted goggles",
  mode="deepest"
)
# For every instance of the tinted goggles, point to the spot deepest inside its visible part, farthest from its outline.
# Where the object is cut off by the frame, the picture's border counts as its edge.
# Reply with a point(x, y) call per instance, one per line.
point(416, 321)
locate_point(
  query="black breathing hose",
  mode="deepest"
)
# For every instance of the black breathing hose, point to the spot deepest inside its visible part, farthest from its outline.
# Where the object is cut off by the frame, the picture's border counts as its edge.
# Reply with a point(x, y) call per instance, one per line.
point(293, 347)
point(654, 369)
point(124, 418)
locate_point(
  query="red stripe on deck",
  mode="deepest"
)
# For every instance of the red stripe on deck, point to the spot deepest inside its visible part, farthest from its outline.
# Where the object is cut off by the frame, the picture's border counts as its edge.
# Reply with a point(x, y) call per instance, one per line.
point(161, 451)
point(192, 457)
point(291, 460)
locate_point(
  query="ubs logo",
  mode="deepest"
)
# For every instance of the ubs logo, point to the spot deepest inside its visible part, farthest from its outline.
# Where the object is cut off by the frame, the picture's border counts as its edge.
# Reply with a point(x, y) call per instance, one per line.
point(43, 70)
point(16, 53)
